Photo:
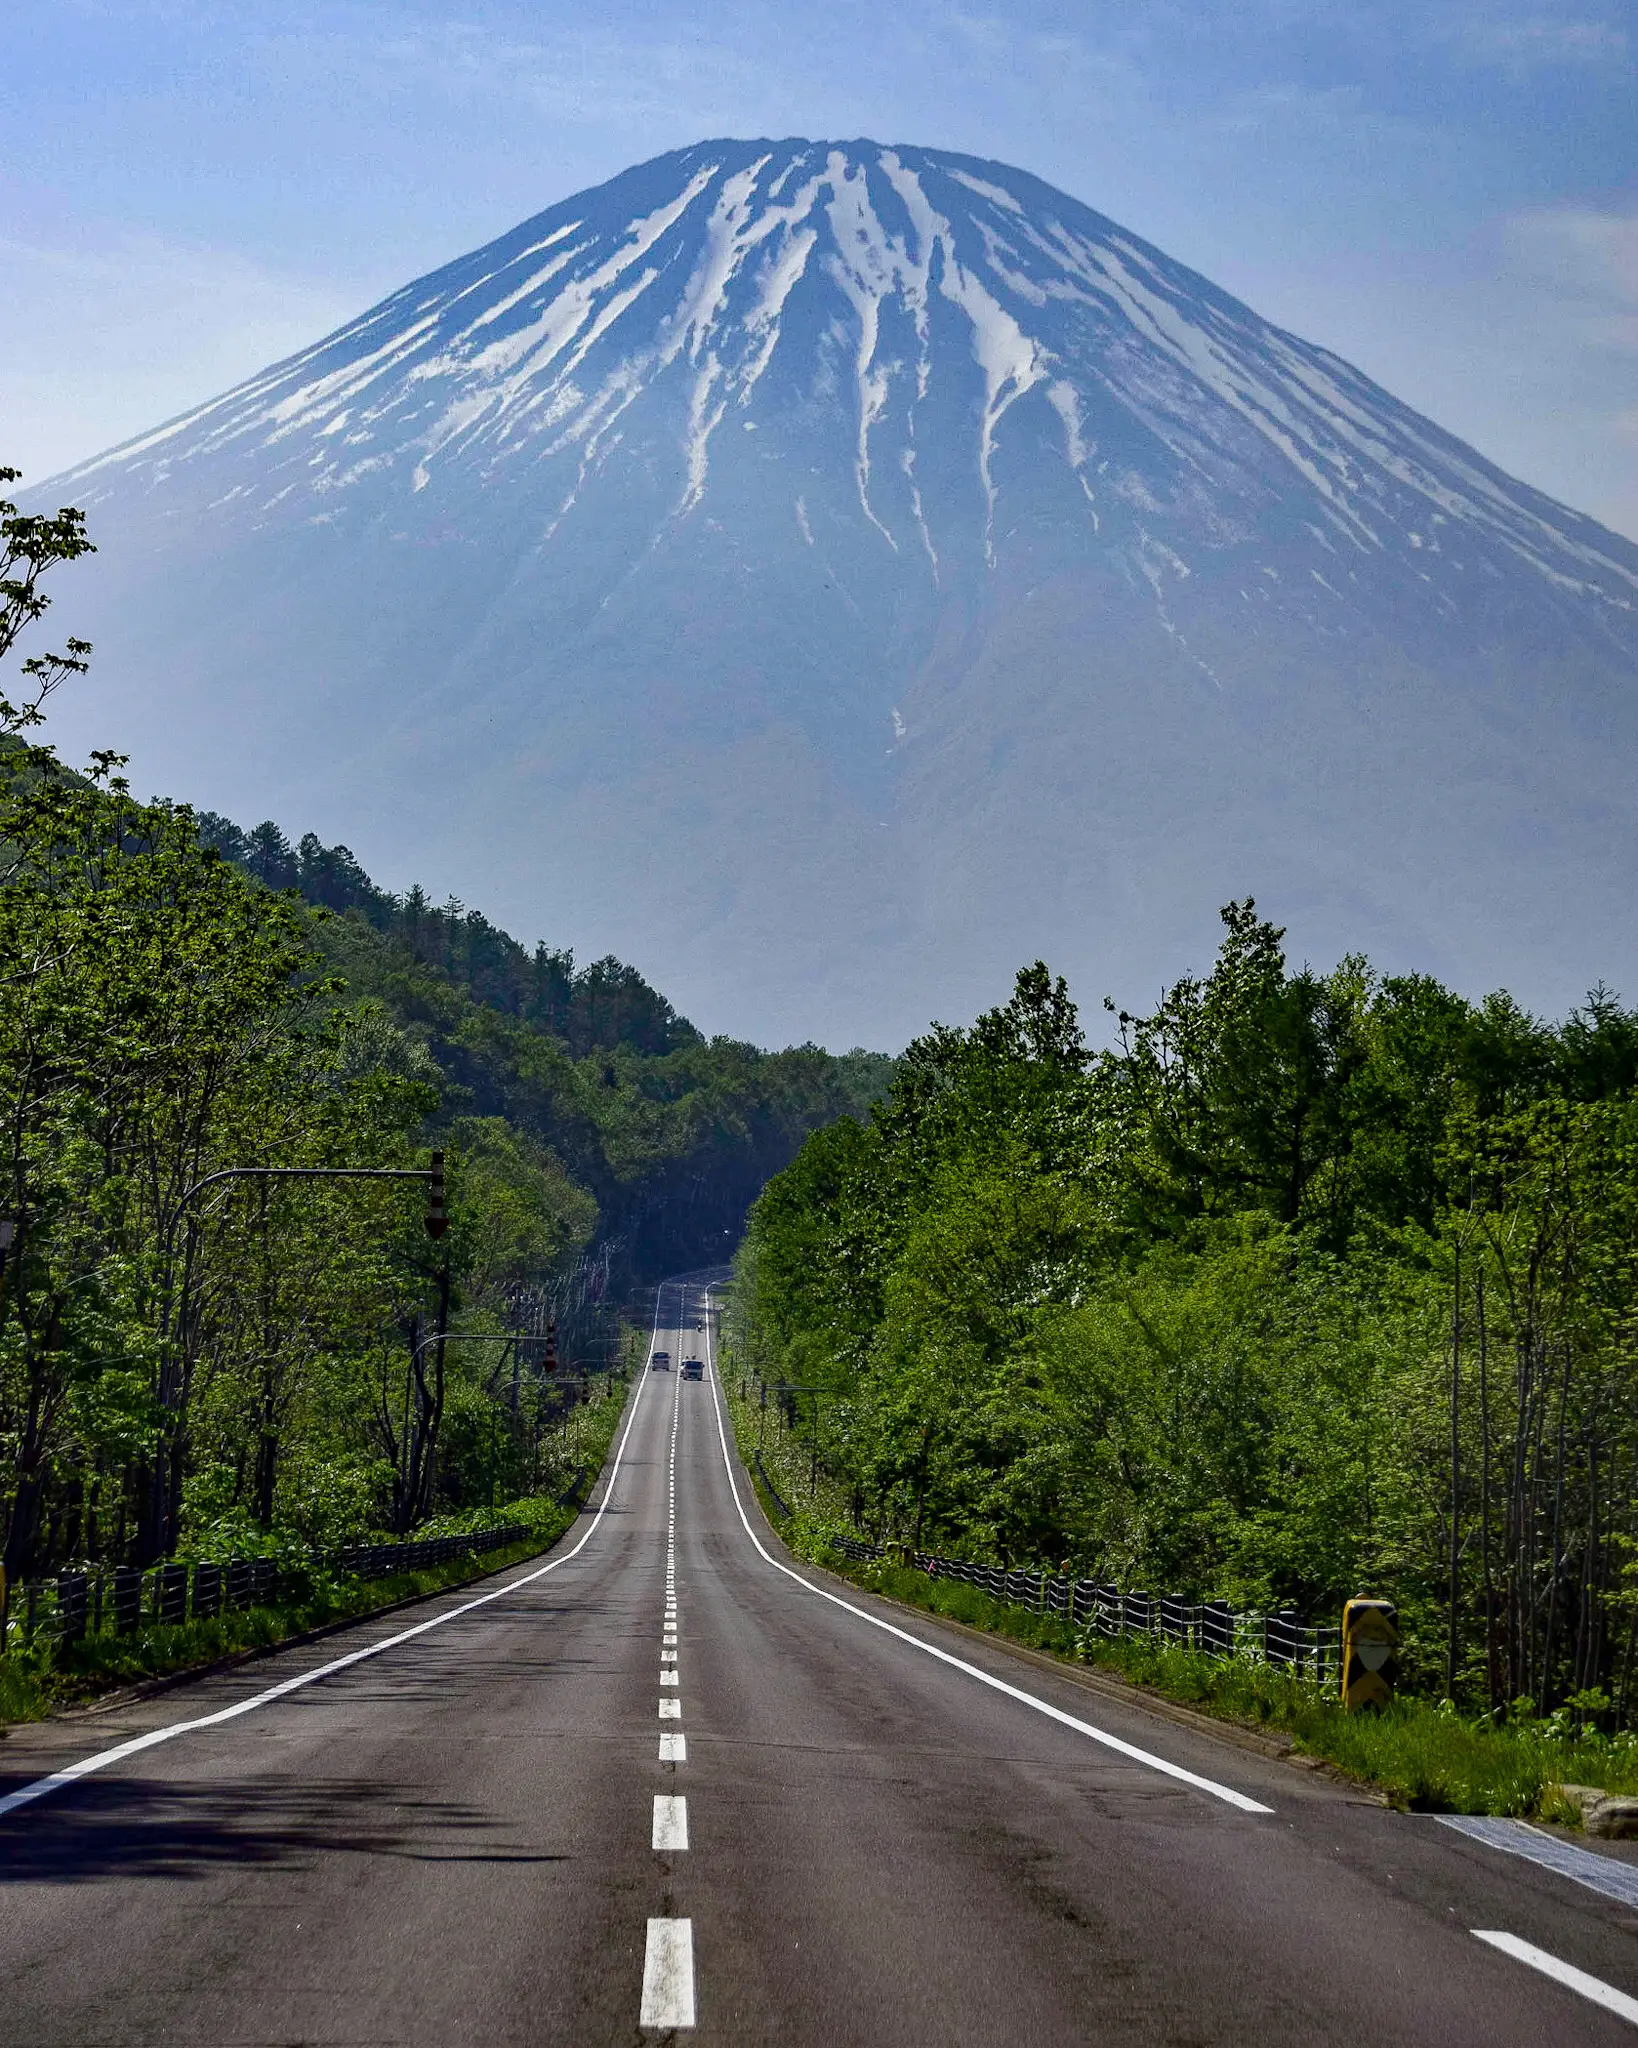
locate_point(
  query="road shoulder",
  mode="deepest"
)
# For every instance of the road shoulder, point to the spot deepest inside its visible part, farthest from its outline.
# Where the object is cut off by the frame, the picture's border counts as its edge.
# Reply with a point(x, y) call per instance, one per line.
point(1268, 1745)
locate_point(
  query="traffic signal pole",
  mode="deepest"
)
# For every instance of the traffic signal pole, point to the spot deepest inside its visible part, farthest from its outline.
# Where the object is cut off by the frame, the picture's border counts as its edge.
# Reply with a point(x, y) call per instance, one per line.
point(165, 1486)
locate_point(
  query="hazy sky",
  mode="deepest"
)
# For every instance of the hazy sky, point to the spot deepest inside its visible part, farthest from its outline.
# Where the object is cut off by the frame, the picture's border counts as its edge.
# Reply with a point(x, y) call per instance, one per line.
point(1444, 192)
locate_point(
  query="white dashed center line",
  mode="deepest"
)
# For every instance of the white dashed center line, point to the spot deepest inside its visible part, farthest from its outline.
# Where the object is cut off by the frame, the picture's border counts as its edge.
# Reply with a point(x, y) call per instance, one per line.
point(668, 1975)
point(668, 1961)
point(670, 1822)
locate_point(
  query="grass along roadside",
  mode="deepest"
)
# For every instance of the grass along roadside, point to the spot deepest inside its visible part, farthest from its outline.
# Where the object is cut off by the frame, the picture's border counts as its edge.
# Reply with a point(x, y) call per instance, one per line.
point(1420, 1754)
point(35, 1684)
point(33, 1687)
point(814, 1496)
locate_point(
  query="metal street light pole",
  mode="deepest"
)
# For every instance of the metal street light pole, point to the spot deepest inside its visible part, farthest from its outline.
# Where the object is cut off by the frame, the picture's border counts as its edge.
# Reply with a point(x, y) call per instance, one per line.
point(161, 1503)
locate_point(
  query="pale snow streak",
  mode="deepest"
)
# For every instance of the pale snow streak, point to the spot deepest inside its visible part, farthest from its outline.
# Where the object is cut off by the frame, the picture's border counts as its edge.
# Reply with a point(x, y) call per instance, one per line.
point(869, 265)
point(1011, 362)
point(1066, 403)
point(691, 324)
point(1291, 399)
point(241, 411)
point(533, 348)
point(985, 190)
point(510, 369)
point(1111, 271)
point(537, 278)
point(738, 229)
point(907, 462)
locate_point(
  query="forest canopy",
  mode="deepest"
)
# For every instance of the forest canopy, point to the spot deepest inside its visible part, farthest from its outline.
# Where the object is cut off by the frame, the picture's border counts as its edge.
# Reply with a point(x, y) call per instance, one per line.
point(1310, 1285)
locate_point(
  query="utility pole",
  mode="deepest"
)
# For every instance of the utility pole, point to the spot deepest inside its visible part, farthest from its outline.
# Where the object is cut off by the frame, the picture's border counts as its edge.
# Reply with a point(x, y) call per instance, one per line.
point(437, 1225)
point(517, 1349)
point(1452, 1649)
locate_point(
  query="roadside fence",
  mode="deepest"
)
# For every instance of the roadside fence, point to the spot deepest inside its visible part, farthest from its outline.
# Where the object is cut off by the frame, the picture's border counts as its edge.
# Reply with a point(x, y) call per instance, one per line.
point(769, 1488)
point(117, 1599)
point(1212, 1627)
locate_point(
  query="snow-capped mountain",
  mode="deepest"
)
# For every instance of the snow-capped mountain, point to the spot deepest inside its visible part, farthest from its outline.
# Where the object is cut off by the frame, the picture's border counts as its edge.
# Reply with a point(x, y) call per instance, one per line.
point(830, 574)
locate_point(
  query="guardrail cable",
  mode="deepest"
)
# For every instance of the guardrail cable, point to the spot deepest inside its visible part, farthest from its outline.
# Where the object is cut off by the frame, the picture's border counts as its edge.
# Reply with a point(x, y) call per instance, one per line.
point(118, 1599)
point(1212, 1627)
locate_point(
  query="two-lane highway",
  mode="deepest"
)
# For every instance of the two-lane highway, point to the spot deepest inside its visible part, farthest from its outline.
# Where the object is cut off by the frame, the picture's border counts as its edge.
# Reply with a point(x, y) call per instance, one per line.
point(668, 1780)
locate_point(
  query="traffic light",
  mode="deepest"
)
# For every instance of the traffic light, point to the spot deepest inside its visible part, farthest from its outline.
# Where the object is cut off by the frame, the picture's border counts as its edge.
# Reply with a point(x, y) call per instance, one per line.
point(437, 1218)
point(549, 1362)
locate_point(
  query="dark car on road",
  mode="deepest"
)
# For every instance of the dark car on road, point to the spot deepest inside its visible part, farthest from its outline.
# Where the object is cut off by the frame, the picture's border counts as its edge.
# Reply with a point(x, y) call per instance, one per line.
point(661, 1361)
point(692, 1369)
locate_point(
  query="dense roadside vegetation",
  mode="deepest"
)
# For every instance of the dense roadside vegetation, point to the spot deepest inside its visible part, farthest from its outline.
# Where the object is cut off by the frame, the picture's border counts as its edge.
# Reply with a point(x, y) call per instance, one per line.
point(249, 1369)
point(1310, 1285)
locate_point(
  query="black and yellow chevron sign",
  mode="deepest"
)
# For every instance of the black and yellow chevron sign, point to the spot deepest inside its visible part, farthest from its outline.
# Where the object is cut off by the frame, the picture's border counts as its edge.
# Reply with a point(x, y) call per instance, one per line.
point(1370, 1653)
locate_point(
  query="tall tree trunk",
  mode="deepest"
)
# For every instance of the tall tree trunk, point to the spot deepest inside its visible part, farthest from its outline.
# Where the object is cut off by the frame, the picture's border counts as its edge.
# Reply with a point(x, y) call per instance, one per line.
point(1455, 1478)
point(1556, 1570)
point(1492, 1644)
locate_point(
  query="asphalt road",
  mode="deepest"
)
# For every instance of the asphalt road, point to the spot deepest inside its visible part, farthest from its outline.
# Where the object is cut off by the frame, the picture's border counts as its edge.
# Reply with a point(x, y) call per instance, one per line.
point(526, 1823)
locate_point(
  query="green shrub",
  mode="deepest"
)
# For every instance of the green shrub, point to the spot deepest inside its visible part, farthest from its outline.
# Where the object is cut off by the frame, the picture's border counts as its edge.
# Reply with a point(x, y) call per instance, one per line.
point(22, 1698)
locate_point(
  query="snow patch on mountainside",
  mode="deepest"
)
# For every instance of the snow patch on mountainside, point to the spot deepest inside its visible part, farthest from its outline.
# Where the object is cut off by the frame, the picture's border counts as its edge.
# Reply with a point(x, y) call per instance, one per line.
point(540, 347)
point(797, 564)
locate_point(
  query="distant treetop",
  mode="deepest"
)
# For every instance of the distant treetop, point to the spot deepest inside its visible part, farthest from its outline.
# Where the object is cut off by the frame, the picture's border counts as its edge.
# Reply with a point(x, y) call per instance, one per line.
point(605, 1004)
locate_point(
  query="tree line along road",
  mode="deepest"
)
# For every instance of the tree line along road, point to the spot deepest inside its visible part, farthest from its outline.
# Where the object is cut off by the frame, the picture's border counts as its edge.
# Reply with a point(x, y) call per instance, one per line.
point(668, 1782)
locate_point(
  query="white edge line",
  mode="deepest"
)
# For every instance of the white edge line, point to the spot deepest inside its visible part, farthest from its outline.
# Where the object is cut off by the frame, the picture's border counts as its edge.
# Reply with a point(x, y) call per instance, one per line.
point(1567, 1974)
point(1226, 1793)
point(42, 1787)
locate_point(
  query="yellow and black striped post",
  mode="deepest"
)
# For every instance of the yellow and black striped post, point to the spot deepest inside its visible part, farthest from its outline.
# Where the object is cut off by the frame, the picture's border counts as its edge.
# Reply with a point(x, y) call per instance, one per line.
point(1370, 1653)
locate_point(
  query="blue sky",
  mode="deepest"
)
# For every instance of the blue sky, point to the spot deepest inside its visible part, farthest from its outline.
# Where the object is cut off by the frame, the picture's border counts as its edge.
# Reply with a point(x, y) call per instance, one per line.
point(1444, 192)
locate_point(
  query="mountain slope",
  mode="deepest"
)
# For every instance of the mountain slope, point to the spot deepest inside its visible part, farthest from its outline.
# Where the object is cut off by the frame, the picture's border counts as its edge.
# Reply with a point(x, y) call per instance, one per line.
point(830, 574)
point(662, 1140)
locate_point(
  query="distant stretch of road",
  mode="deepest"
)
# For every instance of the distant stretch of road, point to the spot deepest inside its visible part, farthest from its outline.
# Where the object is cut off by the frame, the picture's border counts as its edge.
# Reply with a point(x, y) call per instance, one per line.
point(668, 1781)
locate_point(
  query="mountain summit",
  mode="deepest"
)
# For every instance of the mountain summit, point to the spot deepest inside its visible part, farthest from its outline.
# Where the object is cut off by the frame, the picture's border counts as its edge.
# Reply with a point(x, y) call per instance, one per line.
point(830, 574)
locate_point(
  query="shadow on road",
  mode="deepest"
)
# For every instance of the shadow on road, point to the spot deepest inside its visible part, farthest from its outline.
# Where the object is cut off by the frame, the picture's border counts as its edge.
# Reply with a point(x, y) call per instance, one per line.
point(136, 1827)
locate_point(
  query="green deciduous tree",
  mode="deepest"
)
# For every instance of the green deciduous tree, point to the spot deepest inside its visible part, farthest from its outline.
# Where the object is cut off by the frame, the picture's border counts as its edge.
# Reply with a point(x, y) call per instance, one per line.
point(1312, 1284)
